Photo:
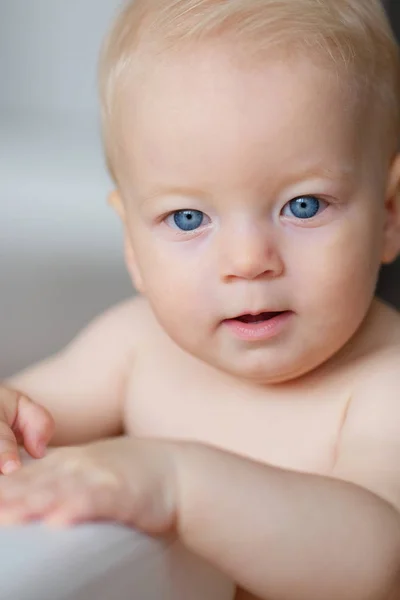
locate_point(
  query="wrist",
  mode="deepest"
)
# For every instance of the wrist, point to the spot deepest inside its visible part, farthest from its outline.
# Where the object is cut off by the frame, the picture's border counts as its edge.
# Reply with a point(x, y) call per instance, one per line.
point(194, 465)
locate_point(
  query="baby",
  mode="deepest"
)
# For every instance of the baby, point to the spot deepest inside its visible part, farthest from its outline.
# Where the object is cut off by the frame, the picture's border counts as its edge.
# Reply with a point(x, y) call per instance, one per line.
point(255, 378)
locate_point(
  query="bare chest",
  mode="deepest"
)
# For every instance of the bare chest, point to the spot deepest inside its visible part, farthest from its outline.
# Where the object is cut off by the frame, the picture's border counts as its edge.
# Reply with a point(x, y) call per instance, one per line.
point(173, 396)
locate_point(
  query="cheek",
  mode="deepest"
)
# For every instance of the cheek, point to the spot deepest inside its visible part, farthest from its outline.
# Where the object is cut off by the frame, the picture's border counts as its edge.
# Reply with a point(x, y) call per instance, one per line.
point(340, 269)
point(183, 306)
point(177, 281)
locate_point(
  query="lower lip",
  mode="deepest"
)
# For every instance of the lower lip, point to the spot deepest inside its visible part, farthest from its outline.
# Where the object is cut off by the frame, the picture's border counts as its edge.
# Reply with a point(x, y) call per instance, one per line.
point(255, 332)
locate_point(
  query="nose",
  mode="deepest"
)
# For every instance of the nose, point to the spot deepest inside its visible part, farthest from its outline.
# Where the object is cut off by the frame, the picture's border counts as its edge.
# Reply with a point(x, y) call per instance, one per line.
point(249, 253)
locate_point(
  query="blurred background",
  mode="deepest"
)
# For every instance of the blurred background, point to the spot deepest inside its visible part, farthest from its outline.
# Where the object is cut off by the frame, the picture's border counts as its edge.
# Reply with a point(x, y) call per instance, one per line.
point(60, 244)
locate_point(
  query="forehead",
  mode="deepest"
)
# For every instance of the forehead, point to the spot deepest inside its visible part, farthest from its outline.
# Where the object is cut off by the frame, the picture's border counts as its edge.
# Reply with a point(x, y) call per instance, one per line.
point(201, 109)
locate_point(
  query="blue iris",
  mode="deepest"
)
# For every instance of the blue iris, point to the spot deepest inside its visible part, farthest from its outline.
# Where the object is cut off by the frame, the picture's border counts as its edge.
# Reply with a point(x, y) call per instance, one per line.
point(188, 220)
point(305, 207)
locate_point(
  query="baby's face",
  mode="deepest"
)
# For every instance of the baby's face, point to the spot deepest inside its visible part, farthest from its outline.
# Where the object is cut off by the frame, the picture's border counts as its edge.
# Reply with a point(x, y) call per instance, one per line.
point(255, 211)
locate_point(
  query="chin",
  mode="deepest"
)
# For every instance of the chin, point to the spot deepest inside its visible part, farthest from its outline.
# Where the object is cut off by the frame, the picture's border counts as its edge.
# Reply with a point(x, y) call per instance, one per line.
point(261, 370)
point(259, 373)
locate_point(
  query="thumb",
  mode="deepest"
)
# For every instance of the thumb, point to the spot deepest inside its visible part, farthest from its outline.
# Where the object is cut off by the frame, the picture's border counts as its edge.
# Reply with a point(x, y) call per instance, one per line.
point(34, 425)
point(9, 455)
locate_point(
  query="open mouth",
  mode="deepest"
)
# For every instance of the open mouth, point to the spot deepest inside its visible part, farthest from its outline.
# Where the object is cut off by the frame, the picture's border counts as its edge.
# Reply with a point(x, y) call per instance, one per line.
point(261, 327)
point(256, 319)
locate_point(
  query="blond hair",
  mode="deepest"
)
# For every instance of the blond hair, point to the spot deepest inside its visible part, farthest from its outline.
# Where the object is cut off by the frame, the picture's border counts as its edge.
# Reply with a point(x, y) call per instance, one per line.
point(354, 35)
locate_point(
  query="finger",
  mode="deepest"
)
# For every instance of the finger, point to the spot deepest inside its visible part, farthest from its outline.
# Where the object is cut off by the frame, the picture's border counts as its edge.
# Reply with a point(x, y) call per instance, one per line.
point(8, 404)
point(34, 506)
point(35, 425)
point(9, 453)
point(71, 511)
point(29, 494)
point(86, 506)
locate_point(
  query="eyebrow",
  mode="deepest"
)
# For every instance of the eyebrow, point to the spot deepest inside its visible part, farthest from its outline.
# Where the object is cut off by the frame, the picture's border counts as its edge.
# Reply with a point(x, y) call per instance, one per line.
point(165, 190)
point(314, 172)
point(318, 172)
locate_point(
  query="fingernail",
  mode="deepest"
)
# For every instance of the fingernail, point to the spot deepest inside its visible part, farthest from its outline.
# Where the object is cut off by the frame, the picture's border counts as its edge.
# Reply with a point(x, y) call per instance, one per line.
point(10, 467)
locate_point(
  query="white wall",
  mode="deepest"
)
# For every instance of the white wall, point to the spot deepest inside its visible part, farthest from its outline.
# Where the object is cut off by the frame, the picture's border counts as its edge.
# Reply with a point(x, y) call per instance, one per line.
point(60, 245)
point(48, 52)
point(53, 182)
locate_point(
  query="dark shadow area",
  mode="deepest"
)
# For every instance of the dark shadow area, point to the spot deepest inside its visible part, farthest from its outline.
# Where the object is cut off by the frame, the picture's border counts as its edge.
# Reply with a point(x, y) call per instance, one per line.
point(389, 284)
point(393, 8)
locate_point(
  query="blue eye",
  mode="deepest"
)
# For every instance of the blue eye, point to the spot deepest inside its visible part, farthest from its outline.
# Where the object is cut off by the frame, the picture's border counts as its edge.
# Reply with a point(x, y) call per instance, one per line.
point(304, 207)
point(188, 220)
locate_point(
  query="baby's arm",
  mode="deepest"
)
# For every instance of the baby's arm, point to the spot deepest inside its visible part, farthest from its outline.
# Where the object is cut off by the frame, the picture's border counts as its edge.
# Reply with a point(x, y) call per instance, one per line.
point(83, 386)
point(290, 535)
point(276, 533)
point(282, 534)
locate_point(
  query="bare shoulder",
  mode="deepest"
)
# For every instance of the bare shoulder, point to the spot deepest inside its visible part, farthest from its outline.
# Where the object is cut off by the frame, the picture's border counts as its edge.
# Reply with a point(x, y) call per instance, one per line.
point(83, 385)
point(369, 448)
point(122, 320)
point(378, 374)
point(117, 331)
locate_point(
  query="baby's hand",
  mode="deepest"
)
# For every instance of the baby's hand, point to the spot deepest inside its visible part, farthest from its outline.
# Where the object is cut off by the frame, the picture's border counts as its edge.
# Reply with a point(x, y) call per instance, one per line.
point(22, 422)
point(123, 480)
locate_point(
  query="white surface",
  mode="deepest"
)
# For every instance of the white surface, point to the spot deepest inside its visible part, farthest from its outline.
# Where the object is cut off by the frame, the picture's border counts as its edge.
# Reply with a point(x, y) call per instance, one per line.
point(102, 562)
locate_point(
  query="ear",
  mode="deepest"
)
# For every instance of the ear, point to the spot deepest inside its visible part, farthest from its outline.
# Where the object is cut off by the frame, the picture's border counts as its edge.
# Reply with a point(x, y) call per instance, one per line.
point(391, 244)
point(115, 201)
point(132, 265)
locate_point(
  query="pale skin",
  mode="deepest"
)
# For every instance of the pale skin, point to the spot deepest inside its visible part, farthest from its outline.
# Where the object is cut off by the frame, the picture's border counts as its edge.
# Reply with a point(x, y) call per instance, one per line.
point(287, 449)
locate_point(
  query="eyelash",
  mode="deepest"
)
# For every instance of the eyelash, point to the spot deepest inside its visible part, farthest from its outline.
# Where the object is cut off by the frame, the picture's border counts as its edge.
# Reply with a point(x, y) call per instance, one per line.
point(322, 203)
point(289, 204)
